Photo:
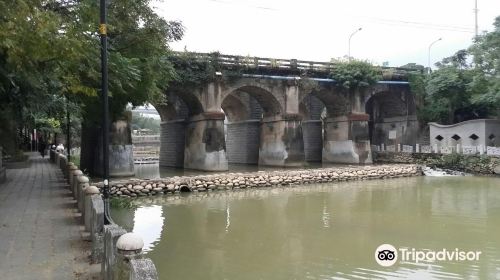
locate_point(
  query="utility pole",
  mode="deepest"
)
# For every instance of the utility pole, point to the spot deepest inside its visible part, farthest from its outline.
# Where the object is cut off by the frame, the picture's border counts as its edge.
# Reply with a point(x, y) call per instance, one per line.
point(105, 109)
point(68, 129)
point(475, 18)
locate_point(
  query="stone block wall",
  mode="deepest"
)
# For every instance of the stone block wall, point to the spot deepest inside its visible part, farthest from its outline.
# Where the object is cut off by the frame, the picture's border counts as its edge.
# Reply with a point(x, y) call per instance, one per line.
point(313, 139)
point(172, 143)
point(242, 142)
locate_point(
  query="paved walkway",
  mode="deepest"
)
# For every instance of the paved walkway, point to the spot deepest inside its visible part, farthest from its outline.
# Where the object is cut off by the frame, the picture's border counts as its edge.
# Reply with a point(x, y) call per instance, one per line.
point(41, 236)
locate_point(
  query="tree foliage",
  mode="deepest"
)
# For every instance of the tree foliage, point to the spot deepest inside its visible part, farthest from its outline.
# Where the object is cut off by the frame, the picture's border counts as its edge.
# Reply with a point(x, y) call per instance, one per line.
point(50, 50)
point(466, 85)
point(355, 74)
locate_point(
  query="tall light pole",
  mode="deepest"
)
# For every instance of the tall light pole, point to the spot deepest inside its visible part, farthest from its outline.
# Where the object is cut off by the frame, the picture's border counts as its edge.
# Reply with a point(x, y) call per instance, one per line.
point(349, 47)
point(429, 53)
point(475, 19)
point(105, 109)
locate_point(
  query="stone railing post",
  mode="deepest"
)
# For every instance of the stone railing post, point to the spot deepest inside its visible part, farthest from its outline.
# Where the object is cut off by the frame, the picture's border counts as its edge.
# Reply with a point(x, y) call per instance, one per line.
point(3, 173)
point(74, 182)
point(128, 247)
point(111, 234)
point(82, 182)
point(87, 205)
point(142, 269)
point(382, 147)
point(70, 167)
point(417, 148)
point(97, 227)
point(481, 150)
point(62, 163)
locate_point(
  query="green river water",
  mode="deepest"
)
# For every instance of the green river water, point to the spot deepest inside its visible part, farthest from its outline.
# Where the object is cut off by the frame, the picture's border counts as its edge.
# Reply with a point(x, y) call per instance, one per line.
point(326, 231)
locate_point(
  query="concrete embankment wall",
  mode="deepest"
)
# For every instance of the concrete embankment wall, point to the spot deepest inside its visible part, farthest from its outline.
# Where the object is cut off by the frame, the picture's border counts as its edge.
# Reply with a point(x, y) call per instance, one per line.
point(477, 164)
point(229, 181)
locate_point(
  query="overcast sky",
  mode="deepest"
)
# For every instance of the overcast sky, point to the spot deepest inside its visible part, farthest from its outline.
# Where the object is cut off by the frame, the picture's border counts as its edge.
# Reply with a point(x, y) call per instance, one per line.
point(396, 31)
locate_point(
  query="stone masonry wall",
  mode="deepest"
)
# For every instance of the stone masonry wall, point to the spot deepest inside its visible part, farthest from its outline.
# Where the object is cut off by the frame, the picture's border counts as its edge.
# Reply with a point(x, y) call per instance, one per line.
point(172, 143)
point(313, 139)
point(242, 142)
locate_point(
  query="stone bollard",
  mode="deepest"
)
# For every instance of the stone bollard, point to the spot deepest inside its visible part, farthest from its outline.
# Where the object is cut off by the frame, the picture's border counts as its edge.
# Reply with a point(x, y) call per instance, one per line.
point(417, 148)
point(111, 234)
point(74, 182)
point(382, 147)
point(63, 164)
point(70, 167)
point(83, 182)
point(97, 228)
point(399, 148)
point(87, 205)
point(481, 150)
point(459, 149)
point(142, 269)
point(128, 247)
point(435, 148)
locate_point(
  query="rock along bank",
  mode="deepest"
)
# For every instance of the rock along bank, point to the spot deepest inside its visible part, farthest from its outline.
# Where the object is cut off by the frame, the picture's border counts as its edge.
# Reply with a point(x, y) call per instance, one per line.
point(229, 181)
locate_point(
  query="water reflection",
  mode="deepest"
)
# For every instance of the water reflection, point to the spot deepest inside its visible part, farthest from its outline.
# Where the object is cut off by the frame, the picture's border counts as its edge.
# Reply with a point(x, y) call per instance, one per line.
point(148, 223)
point(324, 231)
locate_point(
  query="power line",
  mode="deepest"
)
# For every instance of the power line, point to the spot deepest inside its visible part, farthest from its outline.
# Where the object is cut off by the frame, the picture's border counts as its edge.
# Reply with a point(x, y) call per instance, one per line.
point(250, 6)
point(422, 25)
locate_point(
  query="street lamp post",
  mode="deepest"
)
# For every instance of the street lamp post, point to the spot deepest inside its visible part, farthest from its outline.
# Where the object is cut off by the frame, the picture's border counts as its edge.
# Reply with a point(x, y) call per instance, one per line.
point(105, 112)
point(68, 129)
point(349, 47)
point(429, 53)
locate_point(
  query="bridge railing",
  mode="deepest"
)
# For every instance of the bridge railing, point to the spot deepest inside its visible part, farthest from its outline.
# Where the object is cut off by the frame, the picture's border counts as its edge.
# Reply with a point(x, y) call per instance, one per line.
point(234, 61)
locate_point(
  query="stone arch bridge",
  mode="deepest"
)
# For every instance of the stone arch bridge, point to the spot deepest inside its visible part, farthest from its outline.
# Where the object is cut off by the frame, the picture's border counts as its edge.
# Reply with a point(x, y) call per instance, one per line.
point(281, 119)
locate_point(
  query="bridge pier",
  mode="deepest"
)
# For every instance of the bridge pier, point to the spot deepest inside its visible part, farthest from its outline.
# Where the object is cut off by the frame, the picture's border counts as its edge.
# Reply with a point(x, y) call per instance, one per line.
point(205, 147)
point(172, 143)
point(281, 141)
point(313, 143)
point(346, 139)
point(121, 155)
point(242, 141)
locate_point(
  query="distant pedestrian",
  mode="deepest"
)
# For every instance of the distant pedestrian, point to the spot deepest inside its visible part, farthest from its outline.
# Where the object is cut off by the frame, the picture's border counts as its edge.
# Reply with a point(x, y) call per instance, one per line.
point(41, 148)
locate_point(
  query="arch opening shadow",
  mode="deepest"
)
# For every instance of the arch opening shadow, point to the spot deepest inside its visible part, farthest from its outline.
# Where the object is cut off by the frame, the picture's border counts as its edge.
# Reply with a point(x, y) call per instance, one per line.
point(242, 127)
point(393, 118)
point(312, 111)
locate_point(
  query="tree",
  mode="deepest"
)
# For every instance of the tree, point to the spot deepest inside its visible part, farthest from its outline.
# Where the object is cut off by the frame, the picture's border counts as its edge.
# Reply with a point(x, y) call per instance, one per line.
point(355, 74)
point(50, 50)
point(486, 59)
point(467, 84)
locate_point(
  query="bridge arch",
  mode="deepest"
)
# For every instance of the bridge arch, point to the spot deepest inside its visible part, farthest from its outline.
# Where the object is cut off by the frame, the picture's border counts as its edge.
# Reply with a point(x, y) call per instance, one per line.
point(244, 108)
point(270, 99)
point(174, 115)
point(393, 117)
